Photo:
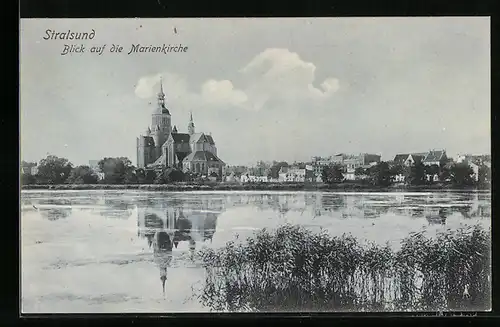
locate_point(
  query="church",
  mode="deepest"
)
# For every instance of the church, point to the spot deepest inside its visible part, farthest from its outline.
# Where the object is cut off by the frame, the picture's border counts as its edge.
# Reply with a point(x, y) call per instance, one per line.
point(163, 146)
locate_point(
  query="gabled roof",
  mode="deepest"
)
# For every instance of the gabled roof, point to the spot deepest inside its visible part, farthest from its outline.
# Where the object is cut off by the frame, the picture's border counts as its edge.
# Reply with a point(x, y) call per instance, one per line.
point(210, 139)
point(202, 156)
point(417, 157)
point(400, 158)
point(435, 155)
point(196, 137)
point(181, 137)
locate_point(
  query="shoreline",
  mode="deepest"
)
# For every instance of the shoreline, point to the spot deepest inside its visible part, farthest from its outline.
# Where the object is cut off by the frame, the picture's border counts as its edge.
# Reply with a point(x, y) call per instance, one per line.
point(251, 187)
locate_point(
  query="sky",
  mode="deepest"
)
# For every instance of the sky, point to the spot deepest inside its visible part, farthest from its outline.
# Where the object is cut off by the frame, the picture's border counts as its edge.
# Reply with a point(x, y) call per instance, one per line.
point(266, 89)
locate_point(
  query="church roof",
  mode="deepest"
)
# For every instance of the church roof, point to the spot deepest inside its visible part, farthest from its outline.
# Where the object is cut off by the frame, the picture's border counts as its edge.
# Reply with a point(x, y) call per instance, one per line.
point(202, 138)
point(149, 141)
point(180, 137)
point(210, 139)
point(202, 156)
point(197, 138)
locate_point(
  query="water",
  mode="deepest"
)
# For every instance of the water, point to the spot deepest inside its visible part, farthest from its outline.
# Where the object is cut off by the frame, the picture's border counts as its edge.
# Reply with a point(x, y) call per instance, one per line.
point(89, 251)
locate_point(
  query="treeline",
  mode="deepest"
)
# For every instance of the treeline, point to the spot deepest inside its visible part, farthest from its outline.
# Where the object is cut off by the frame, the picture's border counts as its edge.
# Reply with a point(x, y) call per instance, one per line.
point(54, 170)
point(383, 175)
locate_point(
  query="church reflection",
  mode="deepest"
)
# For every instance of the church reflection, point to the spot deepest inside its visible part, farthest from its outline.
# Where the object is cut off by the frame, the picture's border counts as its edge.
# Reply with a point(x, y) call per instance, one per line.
point(55, 213)
point(174, 227)
point(54, 208)
point(116, 208)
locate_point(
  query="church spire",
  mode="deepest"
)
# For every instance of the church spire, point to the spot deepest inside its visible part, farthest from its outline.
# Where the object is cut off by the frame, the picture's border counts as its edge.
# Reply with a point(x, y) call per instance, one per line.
point(161, 95)
point(191, 124)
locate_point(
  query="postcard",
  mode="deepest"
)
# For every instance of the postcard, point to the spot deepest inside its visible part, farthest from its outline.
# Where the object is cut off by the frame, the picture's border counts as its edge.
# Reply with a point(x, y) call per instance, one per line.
point(255, 165)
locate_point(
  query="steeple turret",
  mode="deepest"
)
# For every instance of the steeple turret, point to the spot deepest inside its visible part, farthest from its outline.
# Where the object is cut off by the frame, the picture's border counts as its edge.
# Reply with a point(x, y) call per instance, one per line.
point(191, 125)
point(161, 100)
point(174, 130)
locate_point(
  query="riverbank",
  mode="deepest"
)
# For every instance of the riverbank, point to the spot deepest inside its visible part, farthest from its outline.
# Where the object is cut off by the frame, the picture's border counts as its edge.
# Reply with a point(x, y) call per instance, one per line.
point(184, 187)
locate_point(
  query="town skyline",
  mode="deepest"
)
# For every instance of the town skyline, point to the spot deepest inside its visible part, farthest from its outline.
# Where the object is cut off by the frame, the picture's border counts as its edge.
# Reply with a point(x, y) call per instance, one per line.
point(267, 89)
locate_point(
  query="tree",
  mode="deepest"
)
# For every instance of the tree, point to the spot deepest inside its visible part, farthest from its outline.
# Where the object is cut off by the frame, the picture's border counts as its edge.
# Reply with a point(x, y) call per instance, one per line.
point(276, 167)
point(397, 169)
point(82, 175)
point(145, 176)
point(445, 173)
point(380, 174)
point(360, 172)
point(484, 175)
point(27, 179)
point(169, 175)
point(431, 171)
point(117, 170)
point(332, 174)
point(416, 174)
point(462, 175)
point(53, 170)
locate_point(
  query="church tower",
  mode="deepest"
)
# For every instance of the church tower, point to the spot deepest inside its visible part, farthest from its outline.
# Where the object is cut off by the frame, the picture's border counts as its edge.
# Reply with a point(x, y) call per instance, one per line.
point(160, 122)
point(191, 125)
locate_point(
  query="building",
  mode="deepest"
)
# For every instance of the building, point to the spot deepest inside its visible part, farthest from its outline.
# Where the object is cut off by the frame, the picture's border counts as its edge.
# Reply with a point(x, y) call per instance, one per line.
point(414, 159)
point(34, 170)
point(94, 166)
point(298, 175)
point(353, 162)
point(29, 168)
point(409, 159)
point(318, 163)
point(480, 159)
point(163, 146)
point(359, 160)
point(474, 163)
point(246, 178)
point(435, 157)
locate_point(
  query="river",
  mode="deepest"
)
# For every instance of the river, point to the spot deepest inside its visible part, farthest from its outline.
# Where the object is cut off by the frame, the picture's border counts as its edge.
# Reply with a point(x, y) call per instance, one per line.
point(90, 251)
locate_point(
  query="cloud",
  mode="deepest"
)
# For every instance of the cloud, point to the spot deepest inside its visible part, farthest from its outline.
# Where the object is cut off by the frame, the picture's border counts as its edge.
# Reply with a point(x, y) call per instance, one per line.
point(272, 76)
point(214, 91)
point(279, 73)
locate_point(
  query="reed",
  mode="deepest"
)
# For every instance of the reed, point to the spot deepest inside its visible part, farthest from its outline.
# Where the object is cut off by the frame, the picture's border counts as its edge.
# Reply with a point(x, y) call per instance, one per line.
point(294, 269)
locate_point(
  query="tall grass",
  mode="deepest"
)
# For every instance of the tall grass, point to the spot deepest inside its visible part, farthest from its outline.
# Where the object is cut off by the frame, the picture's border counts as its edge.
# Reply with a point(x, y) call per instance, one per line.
point(293, 269)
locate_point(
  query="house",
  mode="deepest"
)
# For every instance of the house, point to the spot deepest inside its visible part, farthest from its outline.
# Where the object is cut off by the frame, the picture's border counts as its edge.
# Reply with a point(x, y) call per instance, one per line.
point(27, 168)
point(435, 157)
point(231, 178)
point(414, 159)
point(288, 174)
point(399, 178)
point(318, 163)
point(409, 159)
point(400, 159)
point(247, 178)
point(34, 170)
point(432, 178)
point(480, 159)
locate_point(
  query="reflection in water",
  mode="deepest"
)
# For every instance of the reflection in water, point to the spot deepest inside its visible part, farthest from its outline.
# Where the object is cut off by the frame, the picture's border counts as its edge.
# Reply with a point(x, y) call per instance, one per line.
point(169, 222)
point(176, 225)
point(162, 246)
point(437, 216)
point(116, 208)
point(55, 213)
